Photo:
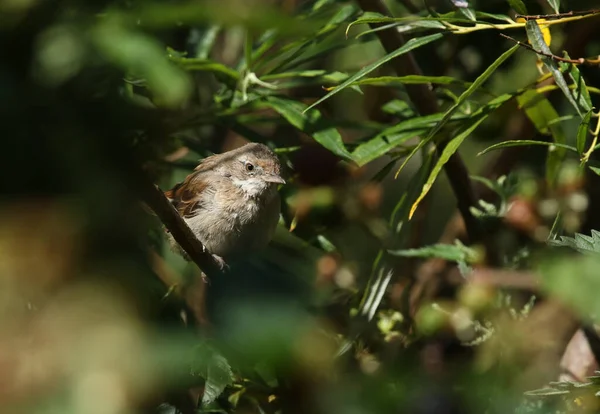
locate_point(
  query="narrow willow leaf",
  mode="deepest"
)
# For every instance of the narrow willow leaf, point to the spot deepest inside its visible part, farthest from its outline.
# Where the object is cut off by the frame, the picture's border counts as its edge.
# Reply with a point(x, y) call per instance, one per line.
point(582, 132)
point(207, 41)
point(478, 82)
point(486, 109)
point(518, 6)
point(463, 97)
point(581, 92)
point(536, 38)
point(379, 279)
point(376, 18)
point(538, 109)
point(451, 252)
point(205, 65)
point(293, 51)
point(555, 4)
point(411, 80)
point(410, 45)
point(543, 115)
point(469, 14)
point(392, 137)
point(501, 17)
point(311, 123)
point(594, 169)
point(523, 143)
point(450, 148)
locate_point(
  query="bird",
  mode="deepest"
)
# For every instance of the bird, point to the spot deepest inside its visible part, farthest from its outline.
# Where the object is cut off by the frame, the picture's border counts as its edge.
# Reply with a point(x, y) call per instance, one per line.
point(231, 201)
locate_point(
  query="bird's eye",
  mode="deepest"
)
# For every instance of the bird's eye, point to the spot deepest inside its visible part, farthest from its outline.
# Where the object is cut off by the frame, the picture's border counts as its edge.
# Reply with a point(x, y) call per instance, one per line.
point(249, 166)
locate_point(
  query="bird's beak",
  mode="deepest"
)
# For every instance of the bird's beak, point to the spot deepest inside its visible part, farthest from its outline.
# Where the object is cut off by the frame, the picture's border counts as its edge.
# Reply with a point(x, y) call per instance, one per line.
point(274, 179)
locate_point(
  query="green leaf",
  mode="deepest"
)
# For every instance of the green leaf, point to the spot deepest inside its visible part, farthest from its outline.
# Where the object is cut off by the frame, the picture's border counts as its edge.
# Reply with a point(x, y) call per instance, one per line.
point(411, 80)
point(144, 56)
point(543, 115)
point(450, 148)
point(581, 92)
point(501, 17)
point(379, 279)
point(205, 65)
point(311, 122)
point(463, 97)
point(469, 13)
point(523, 143)
point(452, 252)
point(555, 4)
point(214, 368)
point(538, 109)
point(410, 45)
point(582, 132)
point(536, 38)
point(518, 6)
point(478, 82)
point(546, 392)
point(594, 169)
point(392, 137)
point(580, 242)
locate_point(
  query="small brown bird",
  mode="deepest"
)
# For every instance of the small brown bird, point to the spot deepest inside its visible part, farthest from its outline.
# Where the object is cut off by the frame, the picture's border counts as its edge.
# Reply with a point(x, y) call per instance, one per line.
point(230, 201)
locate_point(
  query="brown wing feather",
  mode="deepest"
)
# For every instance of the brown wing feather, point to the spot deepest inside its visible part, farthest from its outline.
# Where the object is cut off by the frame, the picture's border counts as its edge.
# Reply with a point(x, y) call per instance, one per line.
point(185, 196)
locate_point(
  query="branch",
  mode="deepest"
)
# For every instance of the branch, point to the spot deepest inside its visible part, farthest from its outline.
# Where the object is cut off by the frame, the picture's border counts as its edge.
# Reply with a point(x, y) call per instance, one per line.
point(182, 234)
point(426, 103)
point(551, 56)
point(557, 15)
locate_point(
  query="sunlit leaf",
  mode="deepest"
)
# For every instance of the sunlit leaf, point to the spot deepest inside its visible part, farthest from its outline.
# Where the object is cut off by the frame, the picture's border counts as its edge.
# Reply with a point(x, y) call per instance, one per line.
point(581, 92)
point(555, 4)
point(457, 252)
point(310, 122)
point(392, 137)
point(411, 80)
point(501, 17)
point(583, 131)
point(524, 143)
point(463, 97)
point(536, 38)
point(410, 45)
point(580, 242)
point(478, 82)
point(469, 13)
point(542, 114)
point(449, 149)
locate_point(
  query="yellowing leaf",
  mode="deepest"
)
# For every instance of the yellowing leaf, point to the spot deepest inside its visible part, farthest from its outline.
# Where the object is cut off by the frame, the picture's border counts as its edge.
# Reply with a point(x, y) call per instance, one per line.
point(543, 27)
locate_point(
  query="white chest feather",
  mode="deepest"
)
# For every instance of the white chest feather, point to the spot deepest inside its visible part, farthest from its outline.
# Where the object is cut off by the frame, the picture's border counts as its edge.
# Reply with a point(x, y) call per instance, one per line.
point(251, 187)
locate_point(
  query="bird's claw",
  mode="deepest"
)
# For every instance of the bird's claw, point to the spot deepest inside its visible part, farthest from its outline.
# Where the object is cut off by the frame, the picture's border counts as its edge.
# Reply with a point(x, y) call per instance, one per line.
point(221, 262)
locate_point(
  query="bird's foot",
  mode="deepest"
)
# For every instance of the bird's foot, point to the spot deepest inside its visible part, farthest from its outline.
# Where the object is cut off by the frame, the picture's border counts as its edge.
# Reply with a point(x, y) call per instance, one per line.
point(221, 262)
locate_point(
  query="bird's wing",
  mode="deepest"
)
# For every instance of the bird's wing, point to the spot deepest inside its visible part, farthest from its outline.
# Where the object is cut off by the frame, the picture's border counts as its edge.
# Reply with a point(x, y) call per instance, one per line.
point(186, 197)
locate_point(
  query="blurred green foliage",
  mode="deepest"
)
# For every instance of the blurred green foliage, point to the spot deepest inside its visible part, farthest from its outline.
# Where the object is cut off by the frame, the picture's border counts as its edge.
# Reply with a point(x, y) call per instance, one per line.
point(372, 297)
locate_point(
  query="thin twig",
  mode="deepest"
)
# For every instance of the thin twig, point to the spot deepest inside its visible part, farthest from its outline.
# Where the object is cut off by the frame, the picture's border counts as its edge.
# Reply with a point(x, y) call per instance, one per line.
point(556, 15)
point(558, 58)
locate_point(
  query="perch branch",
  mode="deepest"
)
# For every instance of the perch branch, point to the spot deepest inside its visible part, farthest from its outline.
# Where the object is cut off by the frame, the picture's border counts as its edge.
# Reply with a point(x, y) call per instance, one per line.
point(556, 15)
point(157, 201)
point(551, 56)
point(426, 103)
